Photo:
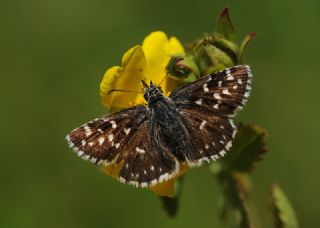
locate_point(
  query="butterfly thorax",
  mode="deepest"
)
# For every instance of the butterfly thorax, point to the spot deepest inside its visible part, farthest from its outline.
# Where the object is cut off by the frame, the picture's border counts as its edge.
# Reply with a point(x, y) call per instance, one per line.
point(166, 122)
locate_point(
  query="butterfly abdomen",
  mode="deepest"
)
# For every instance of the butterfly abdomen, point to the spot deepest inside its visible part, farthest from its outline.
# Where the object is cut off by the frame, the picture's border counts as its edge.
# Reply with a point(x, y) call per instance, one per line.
point(168, 122)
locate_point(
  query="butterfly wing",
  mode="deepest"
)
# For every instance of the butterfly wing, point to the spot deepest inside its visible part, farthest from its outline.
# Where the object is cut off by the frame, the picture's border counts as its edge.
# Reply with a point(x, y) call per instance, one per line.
point(125, 138)
point(206, 106)
point(209, 136)
point(222, 93)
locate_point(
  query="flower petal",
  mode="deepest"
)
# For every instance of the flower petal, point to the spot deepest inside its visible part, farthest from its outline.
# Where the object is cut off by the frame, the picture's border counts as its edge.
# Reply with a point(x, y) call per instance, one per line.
point(127, 77)
point(158, 50)
point(165, 188)
point(113, 169)
point(175, 47)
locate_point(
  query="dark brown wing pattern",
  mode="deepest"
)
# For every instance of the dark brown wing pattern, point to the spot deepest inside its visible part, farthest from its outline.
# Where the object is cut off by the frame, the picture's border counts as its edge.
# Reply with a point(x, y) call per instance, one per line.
point(207, 105)
point(222, 93)
point(125, 137)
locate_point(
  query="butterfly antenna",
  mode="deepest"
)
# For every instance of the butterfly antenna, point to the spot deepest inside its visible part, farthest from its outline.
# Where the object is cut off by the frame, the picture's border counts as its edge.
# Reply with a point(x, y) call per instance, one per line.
point(122, 90)
point(164, 78)
point(144, 83)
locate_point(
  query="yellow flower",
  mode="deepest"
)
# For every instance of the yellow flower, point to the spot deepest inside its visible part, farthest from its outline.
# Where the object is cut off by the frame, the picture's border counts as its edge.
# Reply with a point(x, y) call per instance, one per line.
point(142, 62)
point(146, 62)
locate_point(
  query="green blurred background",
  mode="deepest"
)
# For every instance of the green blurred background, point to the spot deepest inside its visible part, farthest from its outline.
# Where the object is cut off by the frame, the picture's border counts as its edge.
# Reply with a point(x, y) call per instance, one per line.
point(52, 57)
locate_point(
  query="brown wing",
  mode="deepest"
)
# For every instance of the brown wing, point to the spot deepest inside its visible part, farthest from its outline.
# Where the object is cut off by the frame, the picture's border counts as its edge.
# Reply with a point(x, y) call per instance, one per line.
point(210, 136)
point(222, 93)
point(125, 138)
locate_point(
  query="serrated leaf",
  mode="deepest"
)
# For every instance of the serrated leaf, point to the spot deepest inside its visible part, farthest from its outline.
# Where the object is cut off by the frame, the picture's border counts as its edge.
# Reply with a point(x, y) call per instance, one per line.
point(171, 204)
point(283, 213)
point(237, 209)
point(248, 148)
point(225, 26)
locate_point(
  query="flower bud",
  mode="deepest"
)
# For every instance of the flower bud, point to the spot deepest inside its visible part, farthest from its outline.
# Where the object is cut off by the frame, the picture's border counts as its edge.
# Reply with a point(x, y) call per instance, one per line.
point(183, 68)
point(219, 50)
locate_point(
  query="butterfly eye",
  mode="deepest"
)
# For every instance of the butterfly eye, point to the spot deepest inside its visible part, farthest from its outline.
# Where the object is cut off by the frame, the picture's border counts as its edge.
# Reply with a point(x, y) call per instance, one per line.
point(146, 96)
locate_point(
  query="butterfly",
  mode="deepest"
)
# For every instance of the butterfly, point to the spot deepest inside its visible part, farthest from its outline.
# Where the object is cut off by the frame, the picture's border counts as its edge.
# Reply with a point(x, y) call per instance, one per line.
point(193, 125)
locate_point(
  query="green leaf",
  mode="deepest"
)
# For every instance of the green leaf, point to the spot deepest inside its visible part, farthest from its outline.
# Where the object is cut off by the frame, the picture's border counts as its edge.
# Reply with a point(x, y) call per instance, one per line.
point(225, 26)
point(248, 148)
point(171, 205)
point(244, 45)
point(283, 212)
point(238, 209)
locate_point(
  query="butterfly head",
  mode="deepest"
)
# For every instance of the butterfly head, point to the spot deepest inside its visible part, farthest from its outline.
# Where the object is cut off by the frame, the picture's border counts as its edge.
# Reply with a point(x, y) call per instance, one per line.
point(151, 92)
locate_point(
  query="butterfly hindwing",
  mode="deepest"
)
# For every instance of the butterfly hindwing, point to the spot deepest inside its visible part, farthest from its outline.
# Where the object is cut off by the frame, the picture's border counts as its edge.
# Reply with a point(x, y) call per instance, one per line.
point(210, 138)
point(146, 163)
point(222, 93)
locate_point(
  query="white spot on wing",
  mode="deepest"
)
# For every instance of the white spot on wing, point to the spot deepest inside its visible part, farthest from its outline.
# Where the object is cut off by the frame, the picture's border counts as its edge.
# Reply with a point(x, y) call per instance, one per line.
point(139, 150)
point(205, 87)
point(101, 140)
point(217, 96)
point(122, 180)
point(164, 177)
point(127, 130)
point(215, 157)
point(85, 157)
point(153, 182)
point(226, 91)
point(199, 102)
point(203, 123)
point(229, 144)
point(230, 77)
point(113, 124)
point(88, 130)
point(110, 137)
point(222, 153)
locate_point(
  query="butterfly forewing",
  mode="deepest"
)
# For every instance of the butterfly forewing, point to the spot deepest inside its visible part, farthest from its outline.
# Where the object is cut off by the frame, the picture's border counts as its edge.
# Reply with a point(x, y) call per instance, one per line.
point(222, 93)
point(100, 140)
point(125, 138)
